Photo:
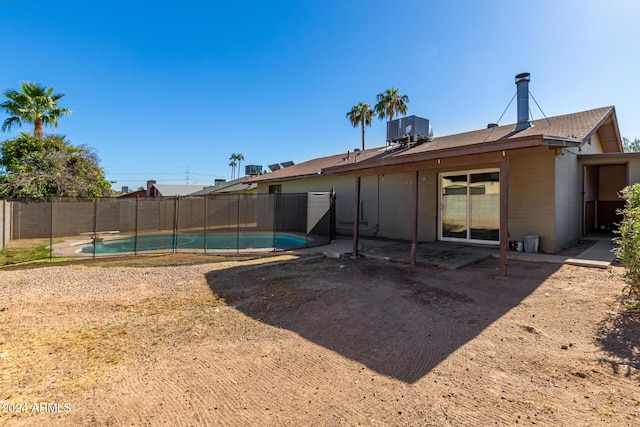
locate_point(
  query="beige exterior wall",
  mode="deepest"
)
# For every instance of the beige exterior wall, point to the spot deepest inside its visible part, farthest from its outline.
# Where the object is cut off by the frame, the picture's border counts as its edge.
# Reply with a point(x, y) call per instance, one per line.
point(428, 206)
point(532, 198)
point(387, 206)
point(396, 205)
point(544, 197)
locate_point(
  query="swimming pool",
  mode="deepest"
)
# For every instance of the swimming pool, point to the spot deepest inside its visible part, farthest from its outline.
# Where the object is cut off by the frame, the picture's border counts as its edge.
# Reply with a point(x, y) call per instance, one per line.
point(215, 241)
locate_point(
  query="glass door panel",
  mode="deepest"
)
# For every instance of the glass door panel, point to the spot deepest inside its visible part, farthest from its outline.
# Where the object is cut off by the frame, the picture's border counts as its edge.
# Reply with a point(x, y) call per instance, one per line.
point(454, 206)
point(484, 194)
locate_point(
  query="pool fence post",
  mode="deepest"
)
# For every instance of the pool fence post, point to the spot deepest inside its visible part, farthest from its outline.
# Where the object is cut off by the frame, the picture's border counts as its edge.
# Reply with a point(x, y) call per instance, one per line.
point(204, 244)
point(95, 225)
point(238, 226)
point(51, 231)
point(176, 214)
point(135, 237)
point(306, 228)
point(275, 210)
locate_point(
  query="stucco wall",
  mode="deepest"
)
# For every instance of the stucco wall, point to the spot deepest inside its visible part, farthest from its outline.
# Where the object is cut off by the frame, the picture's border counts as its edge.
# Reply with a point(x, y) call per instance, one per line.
point(568, 207)
point(532, 198)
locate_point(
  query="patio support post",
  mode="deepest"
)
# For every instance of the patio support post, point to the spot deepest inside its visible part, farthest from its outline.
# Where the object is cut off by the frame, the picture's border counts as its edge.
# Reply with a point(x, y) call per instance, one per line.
point(356, 217)
point(504, 213)
point(414, 235)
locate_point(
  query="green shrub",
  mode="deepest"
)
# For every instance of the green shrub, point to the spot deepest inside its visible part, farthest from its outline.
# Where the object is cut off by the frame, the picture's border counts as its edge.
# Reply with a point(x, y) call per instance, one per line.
point(628, 250)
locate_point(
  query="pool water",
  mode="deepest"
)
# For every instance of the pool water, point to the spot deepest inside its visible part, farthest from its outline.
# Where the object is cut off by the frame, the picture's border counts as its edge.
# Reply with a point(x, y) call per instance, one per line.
point(216, 241)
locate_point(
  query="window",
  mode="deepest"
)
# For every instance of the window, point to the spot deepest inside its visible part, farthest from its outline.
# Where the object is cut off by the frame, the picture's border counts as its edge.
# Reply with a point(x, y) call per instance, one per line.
point(277, 188)
point(470, 206)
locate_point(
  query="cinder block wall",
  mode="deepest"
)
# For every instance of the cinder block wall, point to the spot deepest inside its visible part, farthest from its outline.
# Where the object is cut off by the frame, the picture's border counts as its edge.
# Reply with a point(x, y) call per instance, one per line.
point(5, 223)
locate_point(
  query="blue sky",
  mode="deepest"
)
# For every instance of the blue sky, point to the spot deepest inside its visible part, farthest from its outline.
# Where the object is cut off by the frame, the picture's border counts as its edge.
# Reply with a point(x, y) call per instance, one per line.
point(159, 87)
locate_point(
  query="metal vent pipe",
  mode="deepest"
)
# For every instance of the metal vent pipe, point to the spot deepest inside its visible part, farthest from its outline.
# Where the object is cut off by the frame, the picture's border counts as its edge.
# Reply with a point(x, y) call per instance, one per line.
point(522, 83)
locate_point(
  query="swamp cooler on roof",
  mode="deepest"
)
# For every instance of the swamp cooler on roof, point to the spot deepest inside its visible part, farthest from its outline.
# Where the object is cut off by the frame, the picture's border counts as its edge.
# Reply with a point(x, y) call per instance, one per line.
point(408, 129)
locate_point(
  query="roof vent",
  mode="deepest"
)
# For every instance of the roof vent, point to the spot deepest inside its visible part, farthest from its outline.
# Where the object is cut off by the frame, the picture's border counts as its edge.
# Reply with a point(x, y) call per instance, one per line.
point(522, 82)
point(492, 125)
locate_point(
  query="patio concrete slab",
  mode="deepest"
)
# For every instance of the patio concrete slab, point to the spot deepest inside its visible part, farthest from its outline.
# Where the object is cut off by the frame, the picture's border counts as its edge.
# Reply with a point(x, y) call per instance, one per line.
point(454, 255)
point(439, 254)
point(603, 250)
point(600, 255)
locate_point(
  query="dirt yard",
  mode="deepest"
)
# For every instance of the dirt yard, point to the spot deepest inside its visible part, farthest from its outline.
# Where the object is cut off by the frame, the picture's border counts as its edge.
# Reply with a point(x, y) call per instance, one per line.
point(194, 340)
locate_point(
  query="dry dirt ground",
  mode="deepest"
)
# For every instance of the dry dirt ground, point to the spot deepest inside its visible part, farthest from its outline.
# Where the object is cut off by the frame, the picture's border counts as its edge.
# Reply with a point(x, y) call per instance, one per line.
point(195, 340)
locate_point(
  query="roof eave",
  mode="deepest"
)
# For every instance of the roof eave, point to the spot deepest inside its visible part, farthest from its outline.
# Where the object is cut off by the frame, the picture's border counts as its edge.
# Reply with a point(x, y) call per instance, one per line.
point(611, 114)
point(524, 142)
point(283, 178)
point(563, 141)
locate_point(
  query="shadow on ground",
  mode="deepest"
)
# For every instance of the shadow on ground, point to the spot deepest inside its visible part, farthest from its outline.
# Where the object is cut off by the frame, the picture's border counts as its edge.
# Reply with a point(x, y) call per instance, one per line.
point(398, 320)
point(618, 335)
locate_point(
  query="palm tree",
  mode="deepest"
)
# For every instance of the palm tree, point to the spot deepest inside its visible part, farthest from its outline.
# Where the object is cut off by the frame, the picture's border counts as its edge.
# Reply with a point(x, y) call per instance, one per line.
point(239, 158)
point(233, 165)
point(235, 161)
point(361, 114)
point(391, 103)
point(34, 104)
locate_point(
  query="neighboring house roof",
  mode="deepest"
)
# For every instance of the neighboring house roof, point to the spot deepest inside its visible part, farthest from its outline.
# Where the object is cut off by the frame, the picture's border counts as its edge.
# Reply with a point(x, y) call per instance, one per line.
point(133, 194)
point(314, 167)
point(560, 131)
point(169, 190)
point(234, 186)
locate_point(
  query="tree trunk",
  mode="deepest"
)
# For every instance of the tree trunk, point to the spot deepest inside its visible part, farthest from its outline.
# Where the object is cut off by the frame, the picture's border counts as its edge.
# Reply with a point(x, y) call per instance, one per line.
point(37, 128)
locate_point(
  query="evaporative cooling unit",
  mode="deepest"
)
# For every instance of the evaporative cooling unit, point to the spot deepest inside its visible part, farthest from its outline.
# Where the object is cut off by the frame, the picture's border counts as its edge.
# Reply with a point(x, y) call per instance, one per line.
point(408, 129)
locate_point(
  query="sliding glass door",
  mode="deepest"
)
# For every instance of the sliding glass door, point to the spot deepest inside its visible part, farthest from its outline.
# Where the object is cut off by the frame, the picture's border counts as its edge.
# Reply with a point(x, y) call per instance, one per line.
point(470, 206)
